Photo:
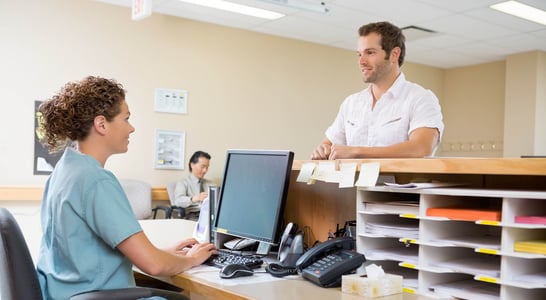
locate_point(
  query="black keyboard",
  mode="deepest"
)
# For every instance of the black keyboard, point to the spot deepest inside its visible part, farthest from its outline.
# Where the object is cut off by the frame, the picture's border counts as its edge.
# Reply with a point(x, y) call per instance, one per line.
point(226, 257)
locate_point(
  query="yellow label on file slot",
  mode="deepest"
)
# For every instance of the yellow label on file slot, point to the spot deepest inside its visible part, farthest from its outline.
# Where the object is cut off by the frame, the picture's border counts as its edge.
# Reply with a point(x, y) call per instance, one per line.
point(408, 241)
point(486, 222)
point(486, 279)
point(408, 290)
point(487, 251)
point(410, 216)
point(407, 265)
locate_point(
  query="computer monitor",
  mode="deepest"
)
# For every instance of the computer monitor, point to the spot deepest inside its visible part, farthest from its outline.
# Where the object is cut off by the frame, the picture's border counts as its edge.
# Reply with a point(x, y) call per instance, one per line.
point(253, 195)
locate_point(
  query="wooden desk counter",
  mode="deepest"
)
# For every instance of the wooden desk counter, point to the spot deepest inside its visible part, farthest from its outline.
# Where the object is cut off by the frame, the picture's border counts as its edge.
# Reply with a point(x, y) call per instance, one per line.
point(452, 165)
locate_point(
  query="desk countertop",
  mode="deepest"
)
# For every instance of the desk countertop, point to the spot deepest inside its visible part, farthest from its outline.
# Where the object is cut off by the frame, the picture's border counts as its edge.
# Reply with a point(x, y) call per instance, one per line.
point(203, 283)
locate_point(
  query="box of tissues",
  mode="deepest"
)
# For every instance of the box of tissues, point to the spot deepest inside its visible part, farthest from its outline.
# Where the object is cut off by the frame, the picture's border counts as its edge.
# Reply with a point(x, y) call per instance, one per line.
point(374, 284)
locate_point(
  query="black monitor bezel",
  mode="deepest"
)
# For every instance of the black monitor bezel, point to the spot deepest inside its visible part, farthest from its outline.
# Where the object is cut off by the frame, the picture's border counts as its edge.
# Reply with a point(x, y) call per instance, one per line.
point(275, 239)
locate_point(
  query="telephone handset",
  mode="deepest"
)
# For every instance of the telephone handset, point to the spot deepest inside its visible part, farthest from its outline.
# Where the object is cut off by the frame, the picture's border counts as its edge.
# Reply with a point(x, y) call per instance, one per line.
point(326, 262)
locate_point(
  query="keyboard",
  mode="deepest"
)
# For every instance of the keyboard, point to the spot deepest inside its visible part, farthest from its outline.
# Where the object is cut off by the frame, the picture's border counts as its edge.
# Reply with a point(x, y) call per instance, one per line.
point(226, 257)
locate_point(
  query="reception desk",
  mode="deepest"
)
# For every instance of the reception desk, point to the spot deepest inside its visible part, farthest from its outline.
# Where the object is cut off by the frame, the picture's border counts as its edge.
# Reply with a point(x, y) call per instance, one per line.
point(443, 253)
point(322, 206)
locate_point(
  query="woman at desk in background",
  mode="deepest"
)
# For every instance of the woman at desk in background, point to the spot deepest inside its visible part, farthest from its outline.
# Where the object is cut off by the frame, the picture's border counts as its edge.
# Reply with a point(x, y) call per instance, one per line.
point(190, 192)
point(392, 117)
point(91, 237)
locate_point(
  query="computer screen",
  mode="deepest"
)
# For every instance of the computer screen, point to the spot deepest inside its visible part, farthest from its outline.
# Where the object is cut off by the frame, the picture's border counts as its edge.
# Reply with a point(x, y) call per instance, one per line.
point(253, 194)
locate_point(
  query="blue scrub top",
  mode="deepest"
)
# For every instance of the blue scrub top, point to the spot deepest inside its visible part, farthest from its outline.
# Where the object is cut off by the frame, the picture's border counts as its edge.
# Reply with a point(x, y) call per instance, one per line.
point(85, 215)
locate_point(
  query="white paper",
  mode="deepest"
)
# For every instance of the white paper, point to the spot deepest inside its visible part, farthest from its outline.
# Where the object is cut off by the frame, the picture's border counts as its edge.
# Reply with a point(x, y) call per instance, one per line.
point(468, 289)
point(477, 265)
point(347, 173)
point(369, 172)
point(421, 185)
point(305, 172)
point(326, 171)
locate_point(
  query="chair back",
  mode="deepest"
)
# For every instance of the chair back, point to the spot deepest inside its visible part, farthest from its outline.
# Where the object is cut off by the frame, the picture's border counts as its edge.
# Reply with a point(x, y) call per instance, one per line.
point(19, 279)
point(139, 194)
point(171, 186)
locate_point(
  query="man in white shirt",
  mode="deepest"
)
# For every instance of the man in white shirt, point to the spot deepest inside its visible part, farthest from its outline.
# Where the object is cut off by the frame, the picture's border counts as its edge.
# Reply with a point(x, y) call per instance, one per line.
point(392, 117)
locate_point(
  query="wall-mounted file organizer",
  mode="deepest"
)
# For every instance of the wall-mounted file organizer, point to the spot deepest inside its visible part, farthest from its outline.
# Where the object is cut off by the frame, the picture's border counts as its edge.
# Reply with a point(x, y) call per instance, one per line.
point(448, 255)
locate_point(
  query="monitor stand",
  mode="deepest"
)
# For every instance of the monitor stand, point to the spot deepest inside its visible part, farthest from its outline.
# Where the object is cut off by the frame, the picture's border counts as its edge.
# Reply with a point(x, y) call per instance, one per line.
point(263, 248)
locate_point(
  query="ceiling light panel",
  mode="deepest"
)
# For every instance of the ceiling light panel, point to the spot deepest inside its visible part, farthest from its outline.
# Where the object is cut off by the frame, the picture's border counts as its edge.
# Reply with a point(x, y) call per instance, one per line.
point(521, 10)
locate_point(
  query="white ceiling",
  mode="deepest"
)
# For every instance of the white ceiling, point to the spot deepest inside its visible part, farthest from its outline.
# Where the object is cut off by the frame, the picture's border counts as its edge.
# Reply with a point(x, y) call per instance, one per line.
point(468, 31)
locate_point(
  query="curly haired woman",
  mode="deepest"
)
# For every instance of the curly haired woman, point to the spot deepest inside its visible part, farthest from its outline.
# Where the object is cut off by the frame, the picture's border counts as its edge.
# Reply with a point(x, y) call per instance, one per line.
point(91, 237)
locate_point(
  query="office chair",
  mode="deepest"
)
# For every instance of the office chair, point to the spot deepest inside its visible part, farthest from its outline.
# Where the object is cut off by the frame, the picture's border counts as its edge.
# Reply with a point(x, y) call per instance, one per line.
point(139, 194)
point(177, 212)
point(172, 211)
point(19, 278)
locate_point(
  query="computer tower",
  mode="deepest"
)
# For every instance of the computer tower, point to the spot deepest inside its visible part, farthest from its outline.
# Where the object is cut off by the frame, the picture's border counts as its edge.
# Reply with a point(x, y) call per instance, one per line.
point(213, 204)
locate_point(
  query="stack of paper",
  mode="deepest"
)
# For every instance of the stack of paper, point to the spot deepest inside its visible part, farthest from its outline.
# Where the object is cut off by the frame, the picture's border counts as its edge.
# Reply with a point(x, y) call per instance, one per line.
point(405, 254)
point(399, 227)
point(538, 246)
point(488, 265)
point(477, 241)
point(468, 289)
point(393, 207)
point(531, 219)
point(464, 214)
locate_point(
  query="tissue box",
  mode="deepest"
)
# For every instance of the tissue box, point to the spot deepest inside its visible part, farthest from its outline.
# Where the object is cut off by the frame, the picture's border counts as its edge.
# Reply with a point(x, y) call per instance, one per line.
point(387, 284)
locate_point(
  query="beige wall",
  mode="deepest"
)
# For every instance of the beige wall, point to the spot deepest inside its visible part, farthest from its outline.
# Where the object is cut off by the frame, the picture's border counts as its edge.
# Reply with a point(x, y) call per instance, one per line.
point(473, 106)
point(525, 118)
point(246, 90)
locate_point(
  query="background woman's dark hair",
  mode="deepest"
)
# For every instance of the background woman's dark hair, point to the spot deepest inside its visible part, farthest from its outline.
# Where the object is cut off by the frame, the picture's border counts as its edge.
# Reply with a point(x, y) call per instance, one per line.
point(69, 115)
point(391, 36)
point(195, 157)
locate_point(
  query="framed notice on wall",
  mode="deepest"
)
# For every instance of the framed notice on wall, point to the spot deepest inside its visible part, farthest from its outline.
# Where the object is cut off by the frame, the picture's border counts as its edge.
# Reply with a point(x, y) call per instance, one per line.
point(169, 149)
point(44, 162)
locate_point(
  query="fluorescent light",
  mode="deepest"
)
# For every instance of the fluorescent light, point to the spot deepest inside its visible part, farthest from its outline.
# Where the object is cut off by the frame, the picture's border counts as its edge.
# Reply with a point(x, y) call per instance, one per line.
point(317, 7)
point(237, 8)
point(521, 10)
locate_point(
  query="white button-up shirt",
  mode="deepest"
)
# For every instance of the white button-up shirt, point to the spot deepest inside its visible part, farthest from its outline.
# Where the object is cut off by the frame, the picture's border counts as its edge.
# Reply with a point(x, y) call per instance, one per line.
point(405, 107)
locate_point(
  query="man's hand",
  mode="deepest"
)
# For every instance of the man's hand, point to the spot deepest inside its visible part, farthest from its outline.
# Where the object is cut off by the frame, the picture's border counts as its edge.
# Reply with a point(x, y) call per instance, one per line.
point(200, 197)
point(338, 151)
point(322, 151)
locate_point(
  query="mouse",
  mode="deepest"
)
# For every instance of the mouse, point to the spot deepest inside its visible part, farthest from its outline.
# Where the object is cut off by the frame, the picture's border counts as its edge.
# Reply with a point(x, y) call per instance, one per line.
point(235, 270)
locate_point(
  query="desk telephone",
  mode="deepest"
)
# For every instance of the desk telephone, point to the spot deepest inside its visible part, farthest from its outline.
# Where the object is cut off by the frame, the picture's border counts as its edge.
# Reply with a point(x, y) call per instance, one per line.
point(325, 263)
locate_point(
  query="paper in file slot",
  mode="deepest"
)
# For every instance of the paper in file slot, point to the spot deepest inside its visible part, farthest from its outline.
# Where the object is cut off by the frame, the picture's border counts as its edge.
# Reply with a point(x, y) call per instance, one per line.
point(395, 227)
point(538, 246)
point(488, 265)
point(421, 185)
point(482, 241)
point(464, 214)
point(394, 207)
point(405, 254)
point(530, 220)
point(536, 278)
point(468, 289)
